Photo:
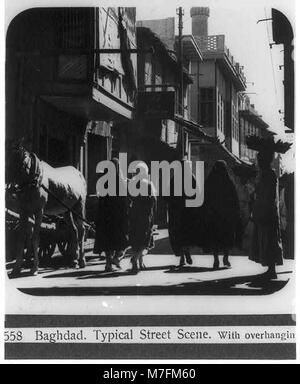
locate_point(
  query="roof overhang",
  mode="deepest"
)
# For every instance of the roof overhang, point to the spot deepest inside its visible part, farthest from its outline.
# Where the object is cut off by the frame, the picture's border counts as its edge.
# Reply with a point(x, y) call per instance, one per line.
point(253, 118)
point(193, 128)
point(227, 67)
point(99, 106)
point(191, 49)
point(219, 151)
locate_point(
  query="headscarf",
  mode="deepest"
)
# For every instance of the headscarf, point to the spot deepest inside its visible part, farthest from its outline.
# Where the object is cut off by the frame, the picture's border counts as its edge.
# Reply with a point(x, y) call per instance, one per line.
point(144, 169)
point(220, 193)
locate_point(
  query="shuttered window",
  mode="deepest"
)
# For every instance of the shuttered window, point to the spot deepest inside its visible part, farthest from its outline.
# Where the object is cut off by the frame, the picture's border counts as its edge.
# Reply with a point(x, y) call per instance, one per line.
point(207, 107)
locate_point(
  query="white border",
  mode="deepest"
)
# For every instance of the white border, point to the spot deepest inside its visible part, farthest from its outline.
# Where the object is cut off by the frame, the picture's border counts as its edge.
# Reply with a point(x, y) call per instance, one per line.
point(13, 7)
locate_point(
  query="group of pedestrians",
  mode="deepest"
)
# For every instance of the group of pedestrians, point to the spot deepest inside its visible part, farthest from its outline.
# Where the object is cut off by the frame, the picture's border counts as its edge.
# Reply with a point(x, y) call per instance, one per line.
point(214, 226)
point(217, 226)
point(123, 222)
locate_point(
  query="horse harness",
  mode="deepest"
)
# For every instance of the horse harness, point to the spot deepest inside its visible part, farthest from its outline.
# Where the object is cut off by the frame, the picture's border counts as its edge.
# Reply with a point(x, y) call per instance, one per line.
point(35, 182)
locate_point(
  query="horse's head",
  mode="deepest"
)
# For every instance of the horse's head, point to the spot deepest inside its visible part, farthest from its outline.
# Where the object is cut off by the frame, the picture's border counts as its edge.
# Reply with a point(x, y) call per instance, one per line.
point(18, 164)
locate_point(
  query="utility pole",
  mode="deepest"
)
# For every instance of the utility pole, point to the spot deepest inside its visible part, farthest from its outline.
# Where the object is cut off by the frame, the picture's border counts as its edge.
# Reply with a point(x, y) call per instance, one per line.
point(180, 14)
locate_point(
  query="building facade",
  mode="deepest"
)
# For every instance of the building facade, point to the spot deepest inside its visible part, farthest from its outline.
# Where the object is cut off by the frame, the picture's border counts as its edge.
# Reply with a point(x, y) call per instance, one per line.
point(85, 84)
point(162, 100)
point(250, 123)
point(160, 127)
point(218, 80)
point(70, 77)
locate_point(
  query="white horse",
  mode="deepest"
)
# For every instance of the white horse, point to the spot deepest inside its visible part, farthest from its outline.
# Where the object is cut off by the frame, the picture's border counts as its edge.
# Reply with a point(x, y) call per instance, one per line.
point(42, 189)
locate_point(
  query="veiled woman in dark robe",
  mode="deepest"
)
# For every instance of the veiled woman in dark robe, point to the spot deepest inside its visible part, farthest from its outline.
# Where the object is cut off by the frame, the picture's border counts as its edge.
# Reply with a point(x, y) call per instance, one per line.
point(112, 224)
point(184, 223)
point(221, 213)
point(266, 240)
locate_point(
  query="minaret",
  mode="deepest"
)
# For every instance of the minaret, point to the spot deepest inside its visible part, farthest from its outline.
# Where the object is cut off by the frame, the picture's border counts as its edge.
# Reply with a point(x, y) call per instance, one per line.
point(200, 17)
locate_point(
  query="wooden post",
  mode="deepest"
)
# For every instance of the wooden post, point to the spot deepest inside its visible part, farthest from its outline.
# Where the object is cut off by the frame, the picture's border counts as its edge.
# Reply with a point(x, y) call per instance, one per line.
point(180, 14)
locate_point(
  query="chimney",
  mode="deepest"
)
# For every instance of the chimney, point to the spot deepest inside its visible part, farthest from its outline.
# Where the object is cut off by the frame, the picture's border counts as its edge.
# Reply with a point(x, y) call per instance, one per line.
point(200, 17)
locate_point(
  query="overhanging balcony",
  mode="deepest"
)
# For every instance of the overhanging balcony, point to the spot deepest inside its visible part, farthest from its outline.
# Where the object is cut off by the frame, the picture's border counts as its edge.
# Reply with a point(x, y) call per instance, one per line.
point(213, 47)
point(252, 116)
point(87, 71)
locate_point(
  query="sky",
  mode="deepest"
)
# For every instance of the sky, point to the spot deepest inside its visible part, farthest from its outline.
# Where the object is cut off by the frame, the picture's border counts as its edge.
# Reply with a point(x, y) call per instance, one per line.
point(237, 20)
point(248, 43)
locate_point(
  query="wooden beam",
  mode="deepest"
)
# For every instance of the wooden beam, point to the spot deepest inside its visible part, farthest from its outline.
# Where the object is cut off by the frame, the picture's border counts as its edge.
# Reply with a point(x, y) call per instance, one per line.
point(68, 51)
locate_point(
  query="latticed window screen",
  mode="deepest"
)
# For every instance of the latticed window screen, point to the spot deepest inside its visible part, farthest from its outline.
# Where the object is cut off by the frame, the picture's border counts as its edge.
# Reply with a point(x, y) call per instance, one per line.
point(220, 113)
point(212, 43)
point(73, 34)
point(74, 28)
point(235, 126)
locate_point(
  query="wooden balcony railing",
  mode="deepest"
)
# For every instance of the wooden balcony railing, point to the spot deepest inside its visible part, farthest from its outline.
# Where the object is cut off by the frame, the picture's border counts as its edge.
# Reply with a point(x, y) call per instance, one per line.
point(216, 44)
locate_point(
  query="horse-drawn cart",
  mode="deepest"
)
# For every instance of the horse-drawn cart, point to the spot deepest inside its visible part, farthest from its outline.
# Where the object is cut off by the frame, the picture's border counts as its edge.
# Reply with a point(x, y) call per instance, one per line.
point(43, 190)
point(54, 238)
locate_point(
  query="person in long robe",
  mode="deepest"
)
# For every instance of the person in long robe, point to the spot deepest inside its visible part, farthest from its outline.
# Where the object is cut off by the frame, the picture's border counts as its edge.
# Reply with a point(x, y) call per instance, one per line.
point(141, 220)
point(266, 240)
point(112, 224)
point(221, 213)
point(184, 223)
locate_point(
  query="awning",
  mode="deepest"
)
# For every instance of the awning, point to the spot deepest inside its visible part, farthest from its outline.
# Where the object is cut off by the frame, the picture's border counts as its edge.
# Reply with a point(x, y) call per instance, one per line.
point(99, 106)
point(209, 143)
point(193, 128)
point(253, 118)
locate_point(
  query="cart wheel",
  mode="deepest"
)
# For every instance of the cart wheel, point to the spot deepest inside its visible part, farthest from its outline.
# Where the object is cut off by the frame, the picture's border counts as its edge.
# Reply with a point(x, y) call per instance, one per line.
point(63, 247)
point(45, 254)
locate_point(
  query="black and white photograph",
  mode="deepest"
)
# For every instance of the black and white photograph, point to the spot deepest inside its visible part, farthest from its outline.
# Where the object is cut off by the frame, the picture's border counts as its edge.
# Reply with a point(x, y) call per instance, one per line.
point(150, 180)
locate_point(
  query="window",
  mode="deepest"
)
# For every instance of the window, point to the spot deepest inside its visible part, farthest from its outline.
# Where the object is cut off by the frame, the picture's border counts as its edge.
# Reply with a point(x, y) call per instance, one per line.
point(153, 73)
point(73, 33)
point(234, 122)
point(73, 28)
point(72, 67)
point(207, 103)
point(220, 113)
point(148, 70)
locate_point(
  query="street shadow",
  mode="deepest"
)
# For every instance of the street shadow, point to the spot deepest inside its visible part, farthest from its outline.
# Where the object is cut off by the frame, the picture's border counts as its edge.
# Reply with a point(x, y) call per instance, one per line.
point(75, 273)
point(106, 275)
point(252, 285)
point(163, 247)
point(190, 269)
point(85, 274)
point(159, 268)
point(26, 272)
point(56, 264)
